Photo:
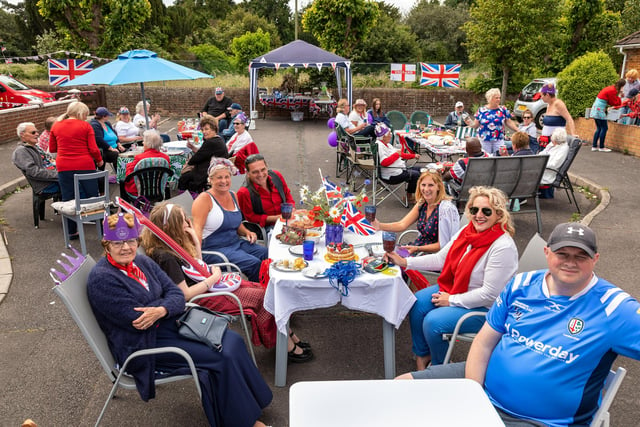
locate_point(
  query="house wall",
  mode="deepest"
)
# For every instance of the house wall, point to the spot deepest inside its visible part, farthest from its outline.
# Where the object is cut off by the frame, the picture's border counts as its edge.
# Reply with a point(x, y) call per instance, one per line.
point(633, 60)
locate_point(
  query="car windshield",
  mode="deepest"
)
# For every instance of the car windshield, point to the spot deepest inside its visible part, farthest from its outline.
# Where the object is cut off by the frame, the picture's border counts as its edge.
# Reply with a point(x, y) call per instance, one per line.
point(532, 88)
point(13, 83)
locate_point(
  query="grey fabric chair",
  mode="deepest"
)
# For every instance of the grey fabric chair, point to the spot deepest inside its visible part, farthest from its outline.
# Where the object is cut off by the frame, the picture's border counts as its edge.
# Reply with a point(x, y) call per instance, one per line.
point(72, 290)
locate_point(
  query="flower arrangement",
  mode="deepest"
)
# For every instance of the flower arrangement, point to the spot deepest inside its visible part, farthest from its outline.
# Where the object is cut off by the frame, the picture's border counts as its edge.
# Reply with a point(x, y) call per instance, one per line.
point(328, 202)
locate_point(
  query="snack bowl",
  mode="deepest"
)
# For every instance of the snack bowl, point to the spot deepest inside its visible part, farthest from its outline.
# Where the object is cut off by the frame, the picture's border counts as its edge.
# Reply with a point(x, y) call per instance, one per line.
point(314, 234)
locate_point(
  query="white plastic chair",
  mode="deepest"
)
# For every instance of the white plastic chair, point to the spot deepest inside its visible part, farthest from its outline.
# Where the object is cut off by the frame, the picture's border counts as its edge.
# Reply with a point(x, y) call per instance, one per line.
point(532, 259)
point(72, 290)
point(611, 386)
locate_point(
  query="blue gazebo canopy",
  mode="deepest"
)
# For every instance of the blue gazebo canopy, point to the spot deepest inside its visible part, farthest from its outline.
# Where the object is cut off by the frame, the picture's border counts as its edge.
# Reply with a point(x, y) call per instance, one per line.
point(299, 54)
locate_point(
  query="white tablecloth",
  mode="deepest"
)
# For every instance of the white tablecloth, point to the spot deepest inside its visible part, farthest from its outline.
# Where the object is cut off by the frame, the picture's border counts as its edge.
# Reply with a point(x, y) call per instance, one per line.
point(381, 294)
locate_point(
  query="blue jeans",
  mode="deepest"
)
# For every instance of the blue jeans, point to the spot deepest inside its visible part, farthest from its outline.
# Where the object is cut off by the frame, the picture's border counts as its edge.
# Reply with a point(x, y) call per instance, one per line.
point(87, 189)
point(429, 322)
point(600, 133)
point(52, 188)
point(223, 124)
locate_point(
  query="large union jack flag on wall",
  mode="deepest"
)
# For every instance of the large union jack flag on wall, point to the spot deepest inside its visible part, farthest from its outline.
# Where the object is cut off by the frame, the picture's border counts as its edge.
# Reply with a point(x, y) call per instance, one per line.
point(443, 75)
point(63, 70)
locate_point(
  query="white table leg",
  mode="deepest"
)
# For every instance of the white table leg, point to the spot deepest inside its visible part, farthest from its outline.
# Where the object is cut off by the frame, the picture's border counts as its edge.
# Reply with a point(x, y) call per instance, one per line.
point(281, 359)
point(389, 342)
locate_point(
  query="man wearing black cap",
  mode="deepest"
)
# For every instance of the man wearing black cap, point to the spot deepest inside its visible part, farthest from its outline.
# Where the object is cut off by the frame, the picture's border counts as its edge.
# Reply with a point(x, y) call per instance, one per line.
point(551, 337)
point(217, 106)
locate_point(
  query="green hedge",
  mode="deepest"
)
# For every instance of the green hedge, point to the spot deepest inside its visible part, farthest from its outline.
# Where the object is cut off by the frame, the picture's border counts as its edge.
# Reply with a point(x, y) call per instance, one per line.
point(580, 82)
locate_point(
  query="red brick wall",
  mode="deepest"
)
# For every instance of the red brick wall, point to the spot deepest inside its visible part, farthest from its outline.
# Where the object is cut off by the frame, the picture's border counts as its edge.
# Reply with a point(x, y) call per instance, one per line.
point(633, 60)
point(623, 138)
point(177, 102)
point(12, 117)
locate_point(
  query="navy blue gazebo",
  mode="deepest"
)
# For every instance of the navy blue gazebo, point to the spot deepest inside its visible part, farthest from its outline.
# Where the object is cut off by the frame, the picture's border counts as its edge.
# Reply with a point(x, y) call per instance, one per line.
point(299, 54)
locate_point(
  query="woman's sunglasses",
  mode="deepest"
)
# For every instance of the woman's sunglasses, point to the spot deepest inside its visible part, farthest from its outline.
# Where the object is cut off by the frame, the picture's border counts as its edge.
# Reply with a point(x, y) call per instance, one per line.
point(473, 210)
point(527, 117)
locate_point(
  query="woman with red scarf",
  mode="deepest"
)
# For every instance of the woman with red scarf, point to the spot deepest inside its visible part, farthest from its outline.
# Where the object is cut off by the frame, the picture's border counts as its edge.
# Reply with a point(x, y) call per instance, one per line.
point(476, 265)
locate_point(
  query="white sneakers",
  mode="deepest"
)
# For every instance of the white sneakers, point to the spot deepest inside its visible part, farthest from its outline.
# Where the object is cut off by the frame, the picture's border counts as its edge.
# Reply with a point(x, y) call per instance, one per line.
point(604, 150)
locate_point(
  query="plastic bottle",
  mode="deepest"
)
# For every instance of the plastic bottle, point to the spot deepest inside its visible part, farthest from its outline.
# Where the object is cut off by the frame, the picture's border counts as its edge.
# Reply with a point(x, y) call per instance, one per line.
point(407, 127)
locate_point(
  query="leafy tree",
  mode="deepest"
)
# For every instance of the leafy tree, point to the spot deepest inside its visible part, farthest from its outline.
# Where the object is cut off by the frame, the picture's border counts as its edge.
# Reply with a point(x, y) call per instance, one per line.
point(438, 29)
point(276, 12)
point(340, 24)
point(580, 82)
point(236, 24)
point(630, 17)
point(591, 28)
point(388, 41)
point(249, 46)
point(29, 24)
point(212, 59)
point(51, 41)
point(507, 35)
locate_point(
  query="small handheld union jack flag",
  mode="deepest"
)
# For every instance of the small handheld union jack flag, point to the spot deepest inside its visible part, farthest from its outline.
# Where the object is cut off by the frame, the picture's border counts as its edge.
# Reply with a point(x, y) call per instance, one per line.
point(333, 191)
point(354, 220)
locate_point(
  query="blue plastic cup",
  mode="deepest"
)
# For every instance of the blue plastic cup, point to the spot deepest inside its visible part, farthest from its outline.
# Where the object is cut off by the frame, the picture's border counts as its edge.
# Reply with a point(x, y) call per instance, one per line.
point(307, 249)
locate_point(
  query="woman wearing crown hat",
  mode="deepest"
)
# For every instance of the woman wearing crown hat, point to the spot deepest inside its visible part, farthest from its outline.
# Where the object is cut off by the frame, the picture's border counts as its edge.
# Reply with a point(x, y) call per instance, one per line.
point(136, 305)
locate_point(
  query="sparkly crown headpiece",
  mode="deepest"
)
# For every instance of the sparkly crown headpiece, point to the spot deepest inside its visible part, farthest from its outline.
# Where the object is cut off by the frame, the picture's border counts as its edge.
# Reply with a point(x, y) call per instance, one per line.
point(122, 231)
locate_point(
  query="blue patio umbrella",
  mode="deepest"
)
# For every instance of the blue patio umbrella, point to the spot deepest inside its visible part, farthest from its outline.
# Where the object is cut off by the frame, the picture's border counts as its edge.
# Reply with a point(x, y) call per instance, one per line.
point(137, 66)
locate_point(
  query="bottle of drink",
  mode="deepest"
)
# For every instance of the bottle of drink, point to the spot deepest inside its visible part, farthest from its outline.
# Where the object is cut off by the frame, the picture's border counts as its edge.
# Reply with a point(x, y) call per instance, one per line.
point(407, 127)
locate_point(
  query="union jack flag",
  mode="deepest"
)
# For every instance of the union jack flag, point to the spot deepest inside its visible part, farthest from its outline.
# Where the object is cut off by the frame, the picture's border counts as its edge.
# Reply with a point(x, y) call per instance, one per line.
point(333, 191)
point(63, 70)
point(442, 75)
point(354, 220)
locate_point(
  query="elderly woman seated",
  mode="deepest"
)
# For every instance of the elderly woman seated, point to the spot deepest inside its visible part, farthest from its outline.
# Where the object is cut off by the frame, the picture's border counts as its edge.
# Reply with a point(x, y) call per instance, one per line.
point(394, 170)
point(194, 174)
point(217, 220)
point(152, 144)
point(136, 305)
point(557, 150)
point(476, 265)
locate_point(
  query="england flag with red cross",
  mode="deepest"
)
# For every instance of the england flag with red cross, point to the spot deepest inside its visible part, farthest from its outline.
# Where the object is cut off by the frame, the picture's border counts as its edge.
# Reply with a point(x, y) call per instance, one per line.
point(403, 72)
point(63, 70)
point(442, 75)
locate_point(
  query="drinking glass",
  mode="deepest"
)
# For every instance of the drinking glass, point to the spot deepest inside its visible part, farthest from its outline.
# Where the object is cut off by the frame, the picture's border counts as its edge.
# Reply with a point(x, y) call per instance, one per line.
point(307, 249)
point(370, 213)
point(388, 241)
point(286, 209)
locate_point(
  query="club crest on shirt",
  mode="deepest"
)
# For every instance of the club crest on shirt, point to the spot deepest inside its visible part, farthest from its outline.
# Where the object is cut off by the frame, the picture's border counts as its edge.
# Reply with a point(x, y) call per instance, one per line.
point(575, 326)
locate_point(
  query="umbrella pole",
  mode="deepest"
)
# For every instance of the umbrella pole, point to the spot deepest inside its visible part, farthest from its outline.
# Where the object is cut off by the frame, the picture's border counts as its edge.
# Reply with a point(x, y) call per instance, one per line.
point(144, 106)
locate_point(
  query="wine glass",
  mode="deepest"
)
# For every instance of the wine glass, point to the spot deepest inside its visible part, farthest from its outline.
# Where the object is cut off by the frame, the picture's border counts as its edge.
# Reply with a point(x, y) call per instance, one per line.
point(286, 210)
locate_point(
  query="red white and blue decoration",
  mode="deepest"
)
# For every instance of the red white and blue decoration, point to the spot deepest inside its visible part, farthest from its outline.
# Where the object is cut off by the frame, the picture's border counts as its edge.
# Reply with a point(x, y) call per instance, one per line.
point(441, 75)
point(354, 221)
point(63, 70)
point(333, 190)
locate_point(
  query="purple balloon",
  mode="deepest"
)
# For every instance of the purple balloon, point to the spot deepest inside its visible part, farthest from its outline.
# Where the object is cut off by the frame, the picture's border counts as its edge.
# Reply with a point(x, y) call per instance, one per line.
point(332, 139)
point(331, 123)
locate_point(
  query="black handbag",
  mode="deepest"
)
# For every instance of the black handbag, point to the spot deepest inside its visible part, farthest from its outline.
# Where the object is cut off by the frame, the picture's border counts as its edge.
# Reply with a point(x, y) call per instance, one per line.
point(201, 324)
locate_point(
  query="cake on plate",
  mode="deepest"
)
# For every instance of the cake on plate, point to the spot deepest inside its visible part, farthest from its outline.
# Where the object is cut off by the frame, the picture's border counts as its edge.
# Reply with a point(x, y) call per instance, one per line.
point(340, 252)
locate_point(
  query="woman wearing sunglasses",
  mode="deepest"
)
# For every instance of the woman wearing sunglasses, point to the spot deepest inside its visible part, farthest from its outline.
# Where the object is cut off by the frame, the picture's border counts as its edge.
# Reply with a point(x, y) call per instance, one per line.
point(528, 126)
point(476, 265)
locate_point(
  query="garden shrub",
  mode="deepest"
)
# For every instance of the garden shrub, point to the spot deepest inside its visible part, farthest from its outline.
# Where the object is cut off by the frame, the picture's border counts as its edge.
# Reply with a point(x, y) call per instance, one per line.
point(213, 59)
point(580, 82)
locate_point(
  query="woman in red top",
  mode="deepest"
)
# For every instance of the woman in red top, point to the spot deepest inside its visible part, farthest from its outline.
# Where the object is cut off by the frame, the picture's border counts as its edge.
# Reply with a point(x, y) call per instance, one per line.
point(72, 137)
point(152, 143)
point(609, 96)
point(261, 182)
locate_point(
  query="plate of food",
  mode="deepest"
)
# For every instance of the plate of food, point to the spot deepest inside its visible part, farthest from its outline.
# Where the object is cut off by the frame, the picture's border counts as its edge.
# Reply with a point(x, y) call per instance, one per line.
point(340, 252)
point(298, 251)
point(290, 265)
point(313, 273)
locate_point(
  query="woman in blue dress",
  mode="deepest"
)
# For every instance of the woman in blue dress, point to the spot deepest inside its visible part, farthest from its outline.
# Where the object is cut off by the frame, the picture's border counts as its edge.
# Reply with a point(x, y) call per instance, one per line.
point(136, 305)
point(490, 121)
point(217, 220)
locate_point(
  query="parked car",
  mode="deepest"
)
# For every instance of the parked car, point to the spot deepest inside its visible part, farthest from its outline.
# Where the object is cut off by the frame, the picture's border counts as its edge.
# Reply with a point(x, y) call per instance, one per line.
point(14, 93)
point(527, 99)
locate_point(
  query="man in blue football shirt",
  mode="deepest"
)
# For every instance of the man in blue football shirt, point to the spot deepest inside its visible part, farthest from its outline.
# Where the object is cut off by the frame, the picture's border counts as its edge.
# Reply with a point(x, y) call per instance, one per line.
point(551, 337)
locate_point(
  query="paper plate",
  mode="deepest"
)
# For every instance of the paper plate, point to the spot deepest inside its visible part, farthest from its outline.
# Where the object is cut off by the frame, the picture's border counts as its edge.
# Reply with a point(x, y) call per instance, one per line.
point(298, 251)
point(313, 273)
point(329, 260)
point(278, 266)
